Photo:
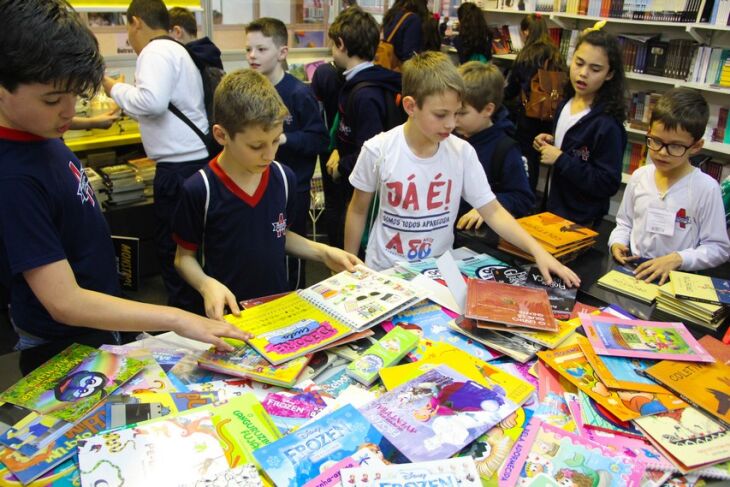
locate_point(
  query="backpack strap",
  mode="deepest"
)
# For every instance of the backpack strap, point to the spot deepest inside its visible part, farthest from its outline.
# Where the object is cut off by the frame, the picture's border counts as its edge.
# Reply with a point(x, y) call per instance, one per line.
point(179, 114)
point(397, 26)
point(206, 183)
point(496, 168)
point(283, 177)
point(391, 109)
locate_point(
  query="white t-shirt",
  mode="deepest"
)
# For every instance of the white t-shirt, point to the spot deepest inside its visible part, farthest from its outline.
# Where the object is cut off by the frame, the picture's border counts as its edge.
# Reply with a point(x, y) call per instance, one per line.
point(565, 121)
point(694, 206)
point(419, 197)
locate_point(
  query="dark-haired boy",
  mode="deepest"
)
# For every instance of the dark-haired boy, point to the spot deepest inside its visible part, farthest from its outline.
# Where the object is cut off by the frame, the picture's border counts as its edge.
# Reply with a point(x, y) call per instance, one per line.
point(165, 73)
point(184, 29)
point(304, 134)
point(485, 123)
point(56, 254)
point(671, 212)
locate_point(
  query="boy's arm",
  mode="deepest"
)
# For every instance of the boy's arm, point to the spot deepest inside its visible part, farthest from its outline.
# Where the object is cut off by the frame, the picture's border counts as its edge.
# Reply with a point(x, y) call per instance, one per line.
point(311, 138)
point(103, 121)
point(216, 295)
point(56, 288)
point(507, 227)
point(335, 259)
point(150, 95)
point(357, 213)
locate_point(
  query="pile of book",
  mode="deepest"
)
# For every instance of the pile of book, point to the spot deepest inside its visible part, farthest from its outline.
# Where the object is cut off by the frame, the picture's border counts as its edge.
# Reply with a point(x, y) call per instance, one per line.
point(97, 184)
point(146, 171)
point(700, 300)
point(122, 184)
point(561, 238)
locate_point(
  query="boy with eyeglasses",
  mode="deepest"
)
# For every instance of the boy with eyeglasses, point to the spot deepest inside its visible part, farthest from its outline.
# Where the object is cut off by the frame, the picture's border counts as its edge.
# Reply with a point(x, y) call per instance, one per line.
point(672, 213)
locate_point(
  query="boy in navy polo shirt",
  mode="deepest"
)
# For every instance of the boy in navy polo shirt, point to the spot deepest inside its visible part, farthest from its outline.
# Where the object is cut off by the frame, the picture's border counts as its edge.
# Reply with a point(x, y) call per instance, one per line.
point(236, 210)
point(305, 136)
point(56, 255)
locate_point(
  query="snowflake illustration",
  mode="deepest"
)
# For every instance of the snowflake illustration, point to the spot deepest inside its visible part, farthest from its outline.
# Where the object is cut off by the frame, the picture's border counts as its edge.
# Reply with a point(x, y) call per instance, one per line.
point(274, 461)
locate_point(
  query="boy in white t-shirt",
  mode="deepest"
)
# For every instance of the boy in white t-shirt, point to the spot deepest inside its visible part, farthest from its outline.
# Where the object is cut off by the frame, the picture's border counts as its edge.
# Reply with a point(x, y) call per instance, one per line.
point(672, 213)
point(421, 171)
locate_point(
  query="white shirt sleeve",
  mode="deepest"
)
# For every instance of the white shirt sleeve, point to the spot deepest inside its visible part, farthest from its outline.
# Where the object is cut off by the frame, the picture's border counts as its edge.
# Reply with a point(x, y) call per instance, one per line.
point(155, 78)
point(364, 175)
point(625, 216)
point(476, 190)
point(713, 247)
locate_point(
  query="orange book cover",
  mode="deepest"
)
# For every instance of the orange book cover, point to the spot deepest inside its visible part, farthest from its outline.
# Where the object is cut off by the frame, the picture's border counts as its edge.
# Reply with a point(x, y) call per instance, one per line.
point(509, 305)
point(555, 231)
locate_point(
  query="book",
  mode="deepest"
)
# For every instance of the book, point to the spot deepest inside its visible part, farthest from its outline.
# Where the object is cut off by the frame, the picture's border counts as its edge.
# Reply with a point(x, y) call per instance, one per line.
point(551, 339)
point(387, 351)
point(481, 266)
point(332, 475)
point(597, 417)
point(716, 348)
point(546, 455)
point(627, 284)
point(508, 305)
point(642, 339)
point(27, 431)
point(554, 232)
point(289, 410)
point(437, 414)
point(124, 410)
point(704, 289)
point(451, 471)
point(297, 458)
point(513, 346)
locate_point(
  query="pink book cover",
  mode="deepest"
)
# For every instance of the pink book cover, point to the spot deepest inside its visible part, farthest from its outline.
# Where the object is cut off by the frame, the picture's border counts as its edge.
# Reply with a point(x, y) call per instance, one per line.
point(642, 339)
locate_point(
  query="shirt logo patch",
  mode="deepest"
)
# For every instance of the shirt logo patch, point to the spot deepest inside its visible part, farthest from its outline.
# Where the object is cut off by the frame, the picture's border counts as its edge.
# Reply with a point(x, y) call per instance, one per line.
point(280, 226)
point(84, 190)
point(682, 218)
point(583, 153)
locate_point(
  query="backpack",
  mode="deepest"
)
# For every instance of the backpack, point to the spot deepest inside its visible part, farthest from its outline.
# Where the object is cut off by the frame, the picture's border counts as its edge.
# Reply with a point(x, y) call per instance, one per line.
point(385, 54)
point(496, 168)
point(546, 93)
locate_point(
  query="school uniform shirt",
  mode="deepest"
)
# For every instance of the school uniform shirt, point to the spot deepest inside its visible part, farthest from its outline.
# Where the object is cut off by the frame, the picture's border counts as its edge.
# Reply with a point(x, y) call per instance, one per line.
point(166, 73)
point(306, 135)
point(588, 172)
point(419, 197)
point(696, 223)
point(49, 213)
point(243, 236)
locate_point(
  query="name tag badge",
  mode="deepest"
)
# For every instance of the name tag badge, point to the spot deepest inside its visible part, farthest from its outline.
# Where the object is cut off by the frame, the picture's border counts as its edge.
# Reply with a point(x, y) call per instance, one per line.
point(660, 221)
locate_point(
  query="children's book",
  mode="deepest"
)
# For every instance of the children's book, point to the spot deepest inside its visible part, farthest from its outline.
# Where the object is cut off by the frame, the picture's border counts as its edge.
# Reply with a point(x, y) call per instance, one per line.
point(716, 348)
point(546, 455)
point(562, 297)
point(438, 413)
point(511, 345)
point(628, 285)
point(123, 410)
point(705, 289)
point(597, 417)
point(150, 379)
point(27, 431)
point(385, 352)
point(687, 437)
point(70, 384)
point(642, 339)
point(509, 305)
point(551, 339)
point(459, 471)
point(301, 456)
point(554, 232)
point(243, 476)
point(480, 266)
point(232, 388)
point(332, 475)
point(290, 410)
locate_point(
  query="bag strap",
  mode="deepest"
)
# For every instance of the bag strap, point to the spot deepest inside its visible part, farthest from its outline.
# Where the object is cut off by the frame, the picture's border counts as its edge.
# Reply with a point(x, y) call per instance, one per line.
point(176, 111)
point(283, 177)
point(397, 26)
point(205, 214)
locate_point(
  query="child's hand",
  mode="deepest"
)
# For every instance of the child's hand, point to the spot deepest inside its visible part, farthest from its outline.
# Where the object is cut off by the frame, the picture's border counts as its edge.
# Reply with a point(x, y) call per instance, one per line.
point(211, 331)
point(658, 268)
point(216, 297)
point(549, 154)
point(105, 120)
point(622, 254)
point(470, 220)
point(549, 265)
point(333, 165)
point(542, 139)
point(338, 260)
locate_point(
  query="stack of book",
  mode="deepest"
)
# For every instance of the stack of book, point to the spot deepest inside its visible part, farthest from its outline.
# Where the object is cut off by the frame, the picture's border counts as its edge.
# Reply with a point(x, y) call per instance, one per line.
point(123, 185)
point(146, 171)
point(699, 300)
point(97, 184)
point(562, 238)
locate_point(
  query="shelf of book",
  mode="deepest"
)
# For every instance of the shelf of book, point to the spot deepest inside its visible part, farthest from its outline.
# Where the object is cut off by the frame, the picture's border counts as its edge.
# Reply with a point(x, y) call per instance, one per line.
point(710, 146)
point(725, 90)
point(92, 142)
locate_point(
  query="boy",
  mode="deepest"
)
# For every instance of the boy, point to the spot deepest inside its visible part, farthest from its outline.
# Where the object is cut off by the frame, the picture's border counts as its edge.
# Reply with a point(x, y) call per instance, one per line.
point(671, 212)
point(236, 209)
point(485, 124)
point(304, 134)
point(57, 256)
point(184, 29)
point(355, 36)
point(421, 171)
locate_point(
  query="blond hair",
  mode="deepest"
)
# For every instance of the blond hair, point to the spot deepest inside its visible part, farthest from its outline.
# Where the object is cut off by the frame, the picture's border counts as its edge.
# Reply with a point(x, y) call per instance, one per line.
point(246, 97)
point(483, 84)
point(430, 73)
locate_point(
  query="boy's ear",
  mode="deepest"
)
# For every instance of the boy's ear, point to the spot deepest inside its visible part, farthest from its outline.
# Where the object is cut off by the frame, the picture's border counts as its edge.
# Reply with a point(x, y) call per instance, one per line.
point(283, 52)
point(219, 134)
point(488, 110)
point(409, 105)
point(697, 146)
point(176, 32)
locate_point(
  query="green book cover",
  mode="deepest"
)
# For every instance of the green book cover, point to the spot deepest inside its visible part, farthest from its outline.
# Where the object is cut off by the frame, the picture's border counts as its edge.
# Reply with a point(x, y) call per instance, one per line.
point(387, 351)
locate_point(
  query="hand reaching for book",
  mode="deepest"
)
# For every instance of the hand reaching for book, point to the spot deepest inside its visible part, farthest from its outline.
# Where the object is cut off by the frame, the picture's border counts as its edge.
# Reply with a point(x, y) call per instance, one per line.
point(338, 260)
point(658, 268)
point(217, 297)
point(548, 266)
point(210, 331)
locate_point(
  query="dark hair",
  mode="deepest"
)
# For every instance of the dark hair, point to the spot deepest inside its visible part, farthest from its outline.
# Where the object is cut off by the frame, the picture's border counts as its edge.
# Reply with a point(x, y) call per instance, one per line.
point(418, 7)
point(538, 47)
point(431, 35)
point(682, 108)
point(184, 19)
point(473, 32)
point(611, 94)
point(359, 32)
point(44, 41)
point(152, 12)
point(270, 27)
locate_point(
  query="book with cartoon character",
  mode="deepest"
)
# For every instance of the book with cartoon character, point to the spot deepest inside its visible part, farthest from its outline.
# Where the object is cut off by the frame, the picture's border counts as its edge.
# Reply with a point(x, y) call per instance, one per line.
point(365, 457)
point(546, 455)
point(438, 413)
point(451, 471)
point(385, 352)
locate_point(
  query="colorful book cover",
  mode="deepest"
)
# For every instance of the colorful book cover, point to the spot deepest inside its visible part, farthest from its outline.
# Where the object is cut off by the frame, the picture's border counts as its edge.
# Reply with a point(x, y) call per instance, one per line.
point(64, 475)
point(511, 345)
point(642, 339)
point(69, 393)
point(480, 266)
point(571, 363)
point(334, 381)
point(716, 348)
point(704, 289)
point(31, 432)
point(385, 352)
point(687, 437)
point(365, 457)
point(552, 339)
point(509, 305)
point(451, 471)
point(628, 285)
point(304, 454)
point(150, 379)
point(562, 297)
point(124, 410)
point(555, 232)
point(553, 409)
point(438, 413)
point(597, 417)
point(620, 372)
point(290, 410)
point(546, 455)
point(244, 361)
point(170, 451)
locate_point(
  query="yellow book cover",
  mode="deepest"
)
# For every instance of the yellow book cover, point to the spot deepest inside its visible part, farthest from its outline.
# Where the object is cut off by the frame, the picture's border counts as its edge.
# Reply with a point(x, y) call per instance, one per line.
point(571, 363)
point(552, 339)
point(704, 289)
point(629, 285)
point(555, 231)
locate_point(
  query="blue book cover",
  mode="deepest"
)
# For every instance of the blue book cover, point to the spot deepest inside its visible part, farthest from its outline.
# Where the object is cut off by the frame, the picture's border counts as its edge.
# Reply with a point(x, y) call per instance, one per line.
point(309, 451)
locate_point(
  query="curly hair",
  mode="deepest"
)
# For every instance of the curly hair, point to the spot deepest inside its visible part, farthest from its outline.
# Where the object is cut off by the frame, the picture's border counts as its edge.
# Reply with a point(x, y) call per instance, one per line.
point(473, 31)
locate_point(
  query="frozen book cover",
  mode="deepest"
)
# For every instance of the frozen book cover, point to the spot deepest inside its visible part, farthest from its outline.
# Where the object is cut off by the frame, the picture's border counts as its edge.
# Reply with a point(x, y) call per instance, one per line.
point(448, 472)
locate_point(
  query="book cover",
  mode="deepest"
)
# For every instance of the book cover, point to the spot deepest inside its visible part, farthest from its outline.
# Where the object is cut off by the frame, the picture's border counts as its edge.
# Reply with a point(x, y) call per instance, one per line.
point(302, 455)
point(546, 455)
point(555, 231)
point(509, 305)
point(628, 285)
point(385, 352)
point(716, 348)
point(290, 410)
point(642, 339)
point(597, 417)
point(451, 471)
point(27, 431)
point(437, 414)
point(68, 390)
point(480, 266)
point(704, 289)
point(511, 345)
point(124, 410)
point(332, 475)
point(562, 298)
point(552, 339)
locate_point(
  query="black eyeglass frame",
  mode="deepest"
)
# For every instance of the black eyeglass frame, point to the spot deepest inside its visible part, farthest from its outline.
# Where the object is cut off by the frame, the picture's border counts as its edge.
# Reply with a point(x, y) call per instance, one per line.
point(662, 145)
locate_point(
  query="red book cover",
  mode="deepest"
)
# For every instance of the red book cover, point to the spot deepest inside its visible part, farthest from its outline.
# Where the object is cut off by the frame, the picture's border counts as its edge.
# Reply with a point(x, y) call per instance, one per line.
point(509, 305)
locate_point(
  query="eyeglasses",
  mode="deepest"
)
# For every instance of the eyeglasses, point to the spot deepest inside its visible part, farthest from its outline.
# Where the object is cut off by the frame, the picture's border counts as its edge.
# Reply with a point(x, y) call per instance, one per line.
point(676, 150)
